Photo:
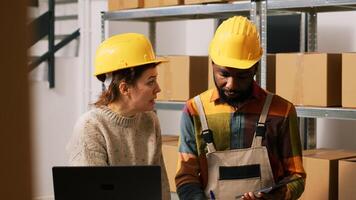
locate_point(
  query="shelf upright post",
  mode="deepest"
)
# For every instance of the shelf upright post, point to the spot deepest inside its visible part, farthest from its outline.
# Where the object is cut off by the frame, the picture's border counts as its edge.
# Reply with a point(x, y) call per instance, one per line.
point(258, 14)
point(301, 120)
point(302, 34)
point(102, 27)
point(310, 123)
point(152, 33)
point(312, 31)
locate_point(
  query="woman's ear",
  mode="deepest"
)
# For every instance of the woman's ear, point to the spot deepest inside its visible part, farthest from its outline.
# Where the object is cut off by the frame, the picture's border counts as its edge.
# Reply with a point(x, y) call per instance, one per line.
point(123, 88)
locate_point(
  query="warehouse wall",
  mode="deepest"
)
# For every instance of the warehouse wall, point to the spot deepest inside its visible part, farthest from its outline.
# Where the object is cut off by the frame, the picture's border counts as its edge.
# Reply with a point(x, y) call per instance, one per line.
point(55, 111)
point(54, 114)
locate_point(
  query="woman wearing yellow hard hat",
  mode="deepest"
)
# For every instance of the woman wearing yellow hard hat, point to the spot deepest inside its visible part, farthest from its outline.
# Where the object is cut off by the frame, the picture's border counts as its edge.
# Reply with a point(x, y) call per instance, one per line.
point(122, 129)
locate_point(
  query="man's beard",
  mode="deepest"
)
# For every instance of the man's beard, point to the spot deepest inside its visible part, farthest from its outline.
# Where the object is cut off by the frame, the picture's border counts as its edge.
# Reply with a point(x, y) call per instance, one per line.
point(239, 98)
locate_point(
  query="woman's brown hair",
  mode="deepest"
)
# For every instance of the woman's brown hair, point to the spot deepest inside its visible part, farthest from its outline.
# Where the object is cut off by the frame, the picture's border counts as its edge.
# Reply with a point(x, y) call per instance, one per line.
point(129, 76)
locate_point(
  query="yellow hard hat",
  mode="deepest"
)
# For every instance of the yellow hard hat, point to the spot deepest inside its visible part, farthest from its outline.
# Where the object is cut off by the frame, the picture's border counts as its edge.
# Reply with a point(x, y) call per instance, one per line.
point(123, 51)
point(236, 44)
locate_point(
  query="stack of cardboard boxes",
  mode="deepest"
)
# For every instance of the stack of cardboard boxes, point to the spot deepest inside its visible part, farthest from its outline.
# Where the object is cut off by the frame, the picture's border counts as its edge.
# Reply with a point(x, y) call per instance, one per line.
point(347, 179)
point(131, 4)
point(348, 80)
point(115, 5)
point(182, 77)
point(310, 79)
point(324, 173)
point(122, 4)
point(317, 79)
point(170, 157)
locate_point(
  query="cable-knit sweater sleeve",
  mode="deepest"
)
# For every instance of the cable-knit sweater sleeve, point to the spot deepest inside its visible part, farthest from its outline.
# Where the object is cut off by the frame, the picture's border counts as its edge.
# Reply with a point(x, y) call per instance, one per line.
point(87, 146)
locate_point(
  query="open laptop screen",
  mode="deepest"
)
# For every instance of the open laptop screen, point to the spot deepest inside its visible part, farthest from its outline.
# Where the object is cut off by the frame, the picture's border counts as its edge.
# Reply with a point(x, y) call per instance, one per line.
point(107, 183)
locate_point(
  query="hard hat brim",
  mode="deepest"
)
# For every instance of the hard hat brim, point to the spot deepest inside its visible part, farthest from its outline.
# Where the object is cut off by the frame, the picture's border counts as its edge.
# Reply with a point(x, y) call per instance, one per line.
point(110, 69)
point(233, 63)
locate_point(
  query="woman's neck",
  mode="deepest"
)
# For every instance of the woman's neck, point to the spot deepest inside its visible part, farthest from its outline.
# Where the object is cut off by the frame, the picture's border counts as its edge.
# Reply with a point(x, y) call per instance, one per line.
point(122, 109)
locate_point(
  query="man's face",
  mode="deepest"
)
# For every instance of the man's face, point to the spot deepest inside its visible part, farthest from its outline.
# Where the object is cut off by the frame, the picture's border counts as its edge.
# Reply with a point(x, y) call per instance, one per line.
point(234, 85)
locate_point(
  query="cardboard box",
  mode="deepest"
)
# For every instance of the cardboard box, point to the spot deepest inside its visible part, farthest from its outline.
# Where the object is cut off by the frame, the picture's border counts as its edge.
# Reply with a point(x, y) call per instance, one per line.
point(182, 77)
point(203, 1)
point(114, 5)
point(211, 83)
point(170, 157)
point(347, 179)
point(160, 3)
point(321, 167)
point(311, 79)
point(348, 80)
point(271, 73)
point(168, 138)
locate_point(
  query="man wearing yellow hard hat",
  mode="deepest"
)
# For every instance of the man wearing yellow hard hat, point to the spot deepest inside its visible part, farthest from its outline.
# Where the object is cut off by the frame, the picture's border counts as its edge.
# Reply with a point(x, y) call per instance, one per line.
point(122, 128)
point(237, 138)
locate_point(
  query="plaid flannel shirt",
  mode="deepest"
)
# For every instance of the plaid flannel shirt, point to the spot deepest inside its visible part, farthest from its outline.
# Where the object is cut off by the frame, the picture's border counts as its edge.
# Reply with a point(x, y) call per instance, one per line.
point(234, 128)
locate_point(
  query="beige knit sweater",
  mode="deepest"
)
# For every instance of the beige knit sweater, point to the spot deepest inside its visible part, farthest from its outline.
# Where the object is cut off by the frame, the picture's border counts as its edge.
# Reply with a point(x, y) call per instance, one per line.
point(104, 138)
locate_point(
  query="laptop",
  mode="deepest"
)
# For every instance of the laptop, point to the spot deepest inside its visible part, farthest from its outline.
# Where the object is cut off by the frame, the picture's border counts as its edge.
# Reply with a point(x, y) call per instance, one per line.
point(107, 183)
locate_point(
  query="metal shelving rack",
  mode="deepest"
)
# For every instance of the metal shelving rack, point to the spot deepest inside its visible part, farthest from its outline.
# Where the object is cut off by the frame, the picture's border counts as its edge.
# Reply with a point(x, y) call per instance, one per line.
point(229, 9)
point(258, 11)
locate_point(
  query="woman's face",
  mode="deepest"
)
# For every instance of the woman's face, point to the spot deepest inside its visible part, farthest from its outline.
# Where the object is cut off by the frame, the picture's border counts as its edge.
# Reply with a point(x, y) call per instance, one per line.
point(143, 94)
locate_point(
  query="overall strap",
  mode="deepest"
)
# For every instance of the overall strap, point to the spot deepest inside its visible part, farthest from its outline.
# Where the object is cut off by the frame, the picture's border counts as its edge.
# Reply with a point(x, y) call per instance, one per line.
point(207, 134)
point(261, 129)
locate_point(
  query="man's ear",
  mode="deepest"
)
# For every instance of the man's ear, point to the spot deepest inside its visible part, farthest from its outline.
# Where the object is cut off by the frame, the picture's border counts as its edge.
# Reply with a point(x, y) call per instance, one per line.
point(123, 88)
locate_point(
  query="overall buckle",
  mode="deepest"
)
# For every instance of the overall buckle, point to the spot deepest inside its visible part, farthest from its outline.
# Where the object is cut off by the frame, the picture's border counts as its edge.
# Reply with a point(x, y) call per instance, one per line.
point(207, 136)
point(260, 129)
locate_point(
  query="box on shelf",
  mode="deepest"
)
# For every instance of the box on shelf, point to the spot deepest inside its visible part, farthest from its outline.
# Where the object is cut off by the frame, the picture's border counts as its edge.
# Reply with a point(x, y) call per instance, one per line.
point(211, 83)
point(124, 4)
point(159, 3)
point(347, 180)
point(321, 166)
point(170, 157)
point(348, 80)
point(182, 77)
point(311, 79)
point(271, 73)
point(203, 1)
point(168, 138)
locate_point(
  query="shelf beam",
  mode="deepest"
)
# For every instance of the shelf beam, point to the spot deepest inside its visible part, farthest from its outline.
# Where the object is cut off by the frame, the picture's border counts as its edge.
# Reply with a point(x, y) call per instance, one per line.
point(309, 112)
point(314, 5)
point(226, 10)
point(330, 113)
point(170, 105)
point(181, 12)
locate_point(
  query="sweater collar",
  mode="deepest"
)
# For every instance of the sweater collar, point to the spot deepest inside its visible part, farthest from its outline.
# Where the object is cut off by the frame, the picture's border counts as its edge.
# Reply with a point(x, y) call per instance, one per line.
point(119, 119)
